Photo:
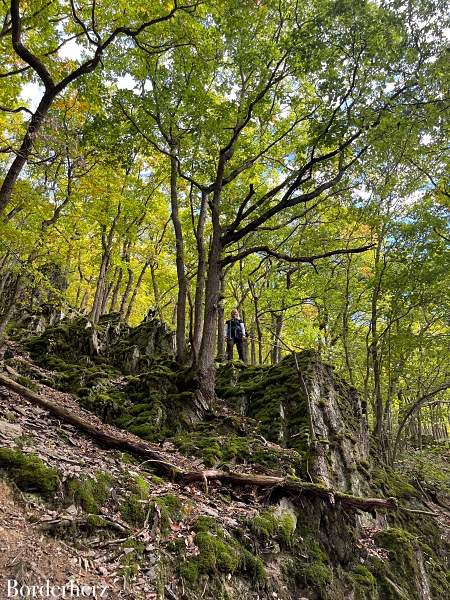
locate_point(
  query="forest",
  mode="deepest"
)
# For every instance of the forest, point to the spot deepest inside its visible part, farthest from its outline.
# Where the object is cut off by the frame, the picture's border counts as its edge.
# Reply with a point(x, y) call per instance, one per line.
point(163, 164)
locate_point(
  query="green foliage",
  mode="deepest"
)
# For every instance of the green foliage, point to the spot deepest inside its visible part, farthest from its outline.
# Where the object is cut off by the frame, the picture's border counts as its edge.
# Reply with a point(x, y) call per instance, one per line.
point(29, 472)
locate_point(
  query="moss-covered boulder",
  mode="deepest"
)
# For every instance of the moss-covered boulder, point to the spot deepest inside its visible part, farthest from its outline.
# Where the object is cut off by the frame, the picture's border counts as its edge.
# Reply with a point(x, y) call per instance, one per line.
point(110, 340)
point(28, 472)
point(300, 403)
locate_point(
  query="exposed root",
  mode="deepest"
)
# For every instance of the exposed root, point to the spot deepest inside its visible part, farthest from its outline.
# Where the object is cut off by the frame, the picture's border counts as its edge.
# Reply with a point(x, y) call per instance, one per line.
point(115, 438)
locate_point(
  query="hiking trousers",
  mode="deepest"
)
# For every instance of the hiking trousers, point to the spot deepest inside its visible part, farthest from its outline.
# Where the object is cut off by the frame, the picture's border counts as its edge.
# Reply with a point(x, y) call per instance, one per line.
point(240, 348)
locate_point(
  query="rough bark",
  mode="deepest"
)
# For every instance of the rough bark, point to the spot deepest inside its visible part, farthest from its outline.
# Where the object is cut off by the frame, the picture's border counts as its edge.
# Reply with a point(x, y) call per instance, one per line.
point(201, 274)
point(118, 279)
point(99, 290)
point(156, 294)
point(179, 245)
point(208, 345)
point(374, 349)
point(221, 321)
point(257, 323)
point(126, 293)
point(277, 324)
point(5, 318)
point(25, 149)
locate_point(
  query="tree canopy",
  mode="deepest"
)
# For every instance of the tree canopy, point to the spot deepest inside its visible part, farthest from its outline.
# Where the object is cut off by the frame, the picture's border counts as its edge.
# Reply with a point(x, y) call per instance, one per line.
point(289, 159)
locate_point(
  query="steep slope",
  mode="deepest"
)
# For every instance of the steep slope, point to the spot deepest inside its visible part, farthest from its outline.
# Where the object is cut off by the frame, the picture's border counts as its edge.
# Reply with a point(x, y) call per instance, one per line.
point(144, 535)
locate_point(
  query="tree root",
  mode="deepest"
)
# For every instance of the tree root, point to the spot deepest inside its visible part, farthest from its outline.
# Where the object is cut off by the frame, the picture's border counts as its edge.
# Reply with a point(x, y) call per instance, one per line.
point(115, 438)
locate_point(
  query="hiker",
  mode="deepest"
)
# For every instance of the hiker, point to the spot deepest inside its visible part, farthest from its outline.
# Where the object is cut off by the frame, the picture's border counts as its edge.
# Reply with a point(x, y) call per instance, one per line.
point(235, 334)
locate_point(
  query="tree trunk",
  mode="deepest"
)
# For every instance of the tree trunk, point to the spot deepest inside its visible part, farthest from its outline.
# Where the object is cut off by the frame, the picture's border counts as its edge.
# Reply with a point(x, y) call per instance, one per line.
point(179, 244)
point(106, 293)
point(115, 294)
point(25, 149)
point(345, 322)
point(221, 321)
point(107, 243)
point(5, 318)
point(156, 295)
point(99, 290)
point(135, 291)
point(252, 345)
point(257, 323)
point(374, 350)
point(126, 294)
point(201, 272)
point(277, 324)
point(206, 369)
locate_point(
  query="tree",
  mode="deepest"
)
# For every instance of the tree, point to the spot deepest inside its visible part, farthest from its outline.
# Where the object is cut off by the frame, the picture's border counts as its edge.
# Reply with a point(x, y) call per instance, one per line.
point(90, 29)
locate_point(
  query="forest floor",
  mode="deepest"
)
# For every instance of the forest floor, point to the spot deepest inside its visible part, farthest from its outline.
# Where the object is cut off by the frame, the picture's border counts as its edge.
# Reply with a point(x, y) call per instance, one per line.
point(29, 554)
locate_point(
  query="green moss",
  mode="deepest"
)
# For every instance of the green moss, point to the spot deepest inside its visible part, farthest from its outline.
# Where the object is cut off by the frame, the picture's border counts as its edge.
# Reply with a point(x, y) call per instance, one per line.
point(27, 382)
point(95, 521)
point(316, 574)
point(216, 554)
point(438, 573)
point(399, 542)
point(158, 480)
point(170, 509)
point(132, 559)
point(135, 508)
point(362, 576)
point(29, 472)
point(268, 525)
point(401, 567)
point(90, 493)
point(219, 553)
point(315, 549)
point(203, 523)
point(190, 571)
point(254, 566)
point(393, 484)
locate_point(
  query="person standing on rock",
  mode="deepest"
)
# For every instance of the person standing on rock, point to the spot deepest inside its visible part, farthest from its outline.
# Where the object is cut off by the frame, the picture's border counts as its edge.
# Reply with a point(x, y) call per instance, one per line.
point(235, 334)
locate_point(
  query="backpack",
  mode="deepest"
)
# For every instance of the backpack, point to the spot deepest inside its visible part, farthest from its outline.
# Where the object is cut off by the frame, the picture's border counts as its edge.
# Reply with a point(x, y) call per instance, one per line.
point(235, 329)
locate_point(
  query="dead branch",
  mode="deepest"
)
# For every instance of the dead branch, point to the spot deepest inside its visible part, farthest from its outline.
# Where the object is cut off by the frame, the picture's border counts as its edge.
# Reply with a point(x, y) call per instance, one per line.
point(115, 438)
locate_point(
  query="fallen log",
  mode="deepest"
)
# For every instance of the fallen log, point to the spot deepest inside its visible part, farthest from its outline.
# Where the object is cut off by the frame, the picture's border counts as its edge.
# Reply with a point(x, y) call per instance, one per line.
point(113, 437)
point(292, 486)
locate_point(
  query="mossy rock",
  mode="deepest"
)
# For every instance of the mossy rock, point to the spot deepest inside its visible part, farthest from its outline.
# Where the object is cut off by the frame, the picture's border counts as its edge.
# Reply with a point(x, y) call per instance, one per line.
point(90, 493)
point(269, 525)
point(135, 508)
point(316, 574)
point(401, 569)
point(365, 583)
point(219, 553)
point(29, 472)
point(393, 484)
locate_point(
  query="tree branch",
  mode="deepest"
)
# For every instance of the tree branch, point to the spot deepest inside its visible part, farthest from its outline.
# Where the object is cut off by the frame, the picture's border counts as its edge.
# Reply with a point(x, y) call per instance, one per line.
point(25, 54)
point(232, 258)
